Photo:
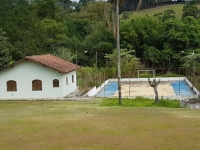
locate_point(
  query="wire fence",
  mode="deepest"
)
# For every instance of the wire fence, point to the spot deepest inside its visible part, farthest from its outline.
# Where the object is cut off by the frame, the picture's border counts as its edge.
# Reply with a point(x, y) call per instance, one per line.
point(95, 78)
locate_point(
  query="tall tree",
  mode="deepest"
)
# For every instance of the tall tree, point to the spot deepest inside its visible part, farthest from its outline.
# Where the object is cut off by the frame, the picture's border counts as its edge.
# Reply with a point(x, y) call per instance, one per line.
point(116, 23)
point(139, 5)
point(54, 35)
point(46, 9)
point(24, 31)
point(7, 6)
point(4, 49)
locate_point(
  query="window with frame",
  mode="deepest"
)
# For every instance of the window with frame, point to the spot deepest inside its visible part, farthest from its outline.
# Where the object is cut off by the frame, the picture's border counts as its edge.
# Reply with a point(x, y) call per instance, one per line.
point(72, 78)
point(11, 85)
point(66, 80)
point(37, 85)
point(55, 83)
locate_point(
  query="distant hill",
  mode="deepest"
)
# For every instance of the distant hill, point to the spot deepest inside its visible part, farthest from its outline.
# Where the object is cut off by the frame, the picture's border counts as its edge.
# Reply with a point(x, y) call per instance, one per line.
point(176, 7)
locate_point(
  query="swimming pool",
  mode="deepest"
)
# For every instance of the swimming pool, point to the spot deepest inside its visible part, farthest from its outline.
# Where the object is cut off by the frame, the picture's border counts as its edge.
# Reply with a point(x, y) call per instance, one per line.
point(109, 90)
point(179, 87)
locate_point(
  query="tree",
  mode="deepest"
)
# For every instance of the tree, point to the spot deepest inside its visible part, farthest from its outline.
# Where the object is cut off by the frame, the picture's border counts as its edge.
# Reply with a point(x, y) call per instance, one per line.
point(67, 4)
point(168, 14)
point(191, 9)
point(115, 12)
point(192, 60)
point(116, 28)
point(128, 61)
point(65, 53)
point(139, 33)
point(154, 85)
point(192, 31)
point(166, 55)
point(174, 34)
point(125, 15)
point(4, 49)
point(54, 35)
point(24, 31)
point(46, 9)
point(139, 5)
point(99, 40)
point(153, 54)
point(7, 6)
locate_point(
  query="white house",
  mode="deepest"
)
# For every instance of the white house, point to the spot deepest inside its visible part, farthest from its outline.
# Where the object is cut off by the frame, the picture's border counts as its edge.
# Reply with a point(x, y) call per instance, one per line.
point(38, 77)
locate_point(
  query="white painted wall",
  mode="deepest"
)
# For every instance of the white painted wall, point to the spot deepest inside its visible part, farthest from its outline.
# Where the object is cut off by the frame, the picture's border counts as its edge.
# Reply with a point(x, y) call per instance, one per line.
point(146, 79)
point(23, 73)
point(192, 87)
point(96, 90)
point(70, 87)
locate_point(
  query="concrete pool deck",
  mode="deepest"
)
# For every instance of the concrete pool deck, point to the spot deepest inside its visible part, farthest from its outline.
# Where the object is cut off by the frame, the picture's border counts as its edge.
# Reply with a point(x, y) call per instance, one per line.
point(143, 88)
point(133, 87)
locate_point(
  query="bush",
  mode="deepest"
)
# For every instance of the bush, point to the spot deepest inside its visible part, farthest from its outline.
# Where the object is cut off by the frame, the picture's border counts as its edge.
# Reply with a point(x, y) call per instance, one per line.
point(140, 102)
point(170, 74)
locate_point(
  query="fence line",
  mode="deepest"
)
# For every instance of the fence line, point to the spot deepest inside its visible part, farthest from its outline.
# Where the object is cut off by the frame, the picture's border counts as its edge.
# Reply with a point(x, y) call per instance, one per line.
point(91, 79)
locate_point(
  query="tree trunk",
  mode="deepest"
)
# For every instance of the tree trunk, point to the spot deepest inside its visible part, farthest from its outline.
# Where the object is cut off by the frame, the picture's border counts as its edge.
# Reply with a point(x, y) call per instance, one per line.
point(139, 5)
point(156, 93)
point(114, 24)
point(105, 16)
point(118, 53)
point(154, 84)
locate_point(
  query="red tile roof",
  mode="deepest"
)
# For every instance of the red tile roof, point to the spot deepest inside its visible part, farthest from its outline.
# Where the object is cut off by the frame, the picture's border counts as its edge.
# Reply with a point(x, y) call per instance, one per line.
point(53, 62)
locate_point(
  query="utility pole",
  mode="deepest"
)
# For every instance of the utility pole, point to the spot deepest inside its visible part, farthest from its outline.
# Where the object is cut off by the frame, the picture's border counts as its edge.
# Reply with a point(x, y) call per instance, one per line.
point(193, 62)
point(96, 58)
point(76, 73)
point(118, 53)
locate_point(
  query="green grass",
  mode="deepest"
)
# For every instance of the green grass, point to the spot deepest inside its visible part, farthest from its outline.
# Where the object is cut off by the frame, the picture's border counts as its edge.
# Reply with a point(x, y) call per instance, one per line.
point(170, 74)
point(70, 125)
point(150, 12)
point(141, 102)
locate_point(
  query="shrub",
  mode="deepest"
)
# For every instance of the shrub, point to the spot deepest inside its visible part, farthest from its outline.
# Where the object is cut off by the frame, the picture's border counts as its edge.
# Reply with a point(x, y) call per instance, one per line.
point(140, 102)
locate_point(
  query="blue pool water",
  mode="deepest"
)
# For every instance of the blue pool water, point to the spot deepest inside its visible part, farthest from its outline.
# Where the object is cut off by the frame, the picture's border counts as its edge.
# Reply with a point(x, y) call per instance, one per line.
point(179, 87)
point(109, 90)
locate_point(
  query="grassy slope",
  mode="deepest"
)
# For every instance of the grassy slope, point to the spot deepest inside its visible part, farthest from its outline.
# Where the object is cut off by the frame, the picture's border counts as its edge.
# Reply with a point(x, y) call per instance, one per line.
point(56, 125)
point(177, 8)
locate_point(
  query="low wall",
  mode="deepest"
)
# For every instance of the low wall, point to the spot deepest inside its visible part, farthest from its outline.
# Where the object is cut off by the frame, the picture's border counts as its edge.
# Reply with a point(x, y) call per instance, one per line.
point(146, 79)
point(192, 87)
point(95, 90)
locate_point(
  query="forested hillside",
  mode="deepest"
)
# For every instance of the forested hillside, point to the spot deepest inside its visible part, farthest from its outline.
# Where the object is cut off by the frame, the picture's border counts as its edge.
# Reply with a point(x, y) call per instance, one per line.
point(65, 28)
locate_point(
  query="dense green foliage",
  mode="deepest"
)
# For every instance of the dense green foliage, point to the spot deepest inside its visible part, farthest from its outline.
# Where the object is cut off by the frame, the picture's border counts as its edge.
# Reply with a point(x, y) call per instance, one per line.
point(141, 102)
point(4, 49)
point(65, 28)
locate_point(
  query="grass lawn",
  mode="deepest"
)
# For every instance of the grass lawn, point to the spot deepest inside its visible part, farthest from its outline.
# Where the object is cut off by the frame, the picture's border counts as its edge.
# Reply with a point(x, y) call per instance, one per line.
point(178, 8)
point(60, 125)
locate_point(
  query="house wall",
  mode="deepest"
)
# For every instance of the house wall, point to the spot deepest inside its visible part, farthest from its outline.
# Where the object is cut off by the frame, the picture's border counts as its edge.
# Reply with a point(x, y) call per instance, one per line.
point(70, 87)
point(24, 73)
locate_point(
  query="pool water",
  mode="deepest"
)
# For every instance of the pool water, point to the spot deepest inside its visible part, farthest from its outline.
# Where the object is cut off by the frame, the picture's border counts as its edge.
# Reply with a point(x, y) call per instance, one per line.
point(109, 89)
point(179, 87)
